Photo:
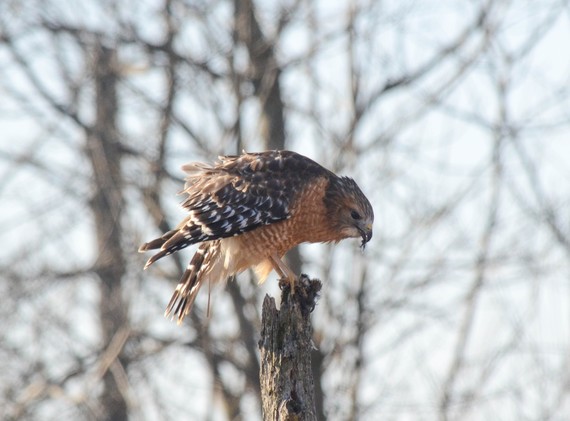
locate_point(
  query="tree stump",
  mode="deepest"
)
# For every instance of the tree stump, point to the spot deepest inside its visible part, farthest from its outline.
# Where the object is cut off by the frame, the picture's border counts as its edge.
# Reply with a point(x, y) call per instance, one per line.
point(287, 385)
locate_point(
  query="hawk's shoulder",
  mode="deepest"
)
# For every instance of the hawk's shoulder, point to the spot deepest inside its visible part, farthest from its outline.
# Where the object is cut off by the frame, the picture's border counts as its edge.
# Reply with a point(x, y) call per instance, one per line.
point(278, 163)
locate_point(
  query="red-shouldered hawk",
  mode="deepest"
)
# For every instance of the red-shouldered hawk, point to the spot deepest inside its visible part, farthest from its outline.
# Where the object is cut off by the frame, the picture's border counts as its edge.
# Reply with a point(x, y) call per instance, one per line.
point(249, 210)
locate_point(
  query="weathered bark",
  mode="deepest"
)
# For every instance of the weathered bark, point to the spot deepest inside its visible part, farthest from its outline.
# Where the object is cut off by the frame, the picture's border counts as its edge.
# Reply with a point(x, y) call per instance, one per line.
point(104, 153)
point(286, 376)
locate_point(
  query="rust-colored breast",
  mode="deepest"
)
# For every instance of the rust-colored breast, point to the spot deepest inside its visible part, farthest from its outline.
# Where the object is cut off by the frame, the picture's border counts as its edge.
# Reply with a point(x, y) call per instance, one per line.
point(308, 223)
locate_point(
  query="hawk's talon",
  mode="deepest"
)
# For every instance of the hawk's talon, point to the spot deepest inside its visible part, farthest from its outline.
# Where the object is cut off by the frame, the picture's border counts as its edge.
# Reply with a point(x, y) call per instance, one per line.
point(287, 284)
point(284, 283)
point(292, 282)
point(305, 289)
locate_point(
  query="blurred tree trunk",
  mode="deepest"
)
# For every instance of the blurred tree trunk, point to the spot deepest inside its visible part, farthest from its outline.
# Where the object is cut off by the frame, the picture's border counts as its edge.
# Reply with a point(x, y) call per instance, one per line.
point(265, 77)
point(286, 376)
point(104, 153)
point(265, 73)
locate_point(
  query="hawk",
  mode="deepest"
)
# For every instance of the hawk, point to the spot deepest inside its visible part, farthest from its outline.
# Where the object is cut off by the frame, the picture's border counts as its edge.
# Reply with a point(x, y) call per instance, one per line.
point(247, 211)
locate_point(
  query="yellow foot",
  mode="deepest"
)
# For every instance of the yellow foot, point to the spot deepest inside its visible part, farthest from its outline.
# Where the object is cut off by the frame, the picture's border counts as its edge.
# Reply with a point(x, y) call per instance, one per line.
point(288, 283)
point(303, 289)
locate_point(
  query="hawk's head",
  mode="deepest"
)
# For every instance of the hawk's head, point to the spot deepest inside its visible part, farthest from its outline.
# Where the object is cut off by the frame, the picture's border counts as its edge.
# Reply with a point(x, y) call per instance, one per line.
point(349, 209)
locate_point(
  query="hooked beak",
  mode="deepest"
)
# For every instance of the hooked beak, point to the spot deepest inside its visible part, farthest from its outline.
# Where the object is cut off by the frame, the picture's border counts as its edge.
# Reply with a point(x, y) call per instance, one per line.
point(366, 234)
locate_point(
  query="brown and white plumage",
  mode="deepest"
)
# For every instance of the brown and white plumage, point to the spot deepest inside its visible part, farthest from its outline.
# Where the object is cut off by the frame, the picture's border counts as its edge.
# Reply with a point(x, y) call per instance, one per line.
point(249, 210)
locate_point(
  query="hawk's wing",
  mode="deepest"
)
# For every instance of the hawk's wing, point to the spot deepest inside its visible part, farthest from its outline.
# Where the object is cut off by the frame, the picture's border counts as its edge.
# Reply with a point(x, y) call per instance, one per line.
point(235, 195)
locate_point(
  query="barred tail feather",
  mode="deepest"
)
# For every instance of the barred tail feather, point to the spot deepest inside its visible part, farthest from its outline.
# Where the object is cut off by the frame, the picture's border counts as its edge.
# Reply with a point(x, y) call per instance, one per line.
point(172, 241)
point(192, 279)
point(157, 244)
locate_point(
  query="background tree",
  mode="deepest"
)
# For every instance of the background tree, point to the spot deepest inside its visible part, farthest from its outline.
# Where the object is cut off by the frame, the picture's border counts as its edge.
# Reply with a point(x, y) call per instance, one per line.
point(452, 116)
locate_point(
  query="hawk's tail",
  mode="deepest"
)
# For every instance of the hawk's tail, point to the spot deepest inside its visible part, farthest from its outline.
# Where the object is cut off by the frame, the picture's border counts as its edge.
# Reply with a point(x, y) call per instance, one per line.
point(194, 276)
point(185, 234)
point(158, 243)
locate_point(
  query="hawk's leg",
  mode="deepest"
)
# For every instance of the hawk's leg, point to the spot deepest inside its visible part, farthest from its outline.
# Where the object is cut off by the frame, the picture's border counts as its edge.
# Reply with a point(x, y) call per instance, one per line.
point(284, 272)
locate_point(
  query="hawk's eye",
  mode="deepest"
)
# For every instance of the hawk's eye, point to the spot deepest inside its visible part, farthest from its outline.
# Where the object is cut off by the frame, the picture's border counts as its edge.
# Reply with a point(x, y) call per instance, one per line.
point(355, 215)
